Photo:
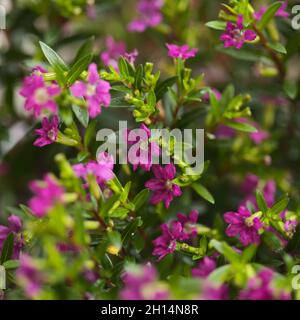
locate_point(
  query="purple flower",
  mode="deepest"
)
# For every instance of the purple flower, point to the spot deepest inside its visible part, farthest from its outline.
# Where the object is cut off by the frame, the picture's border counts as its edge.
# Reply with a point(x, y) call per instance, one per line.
point(260, 288)
point(102, 169)
point(30, 276)
point(162, 185)
point(282, 12)
point(143, 150)
point(224, 132)
point(95, 91)
point(47, 193)
point(48, 132)
point(250, 183)
point(258, 14)
point(181, 52)
point(188, 224)
point(244, 225)
point(149, 15)
point(39, 96)
point(141, 284)
point(166, 243)
point(235, 34)
point(212, 291)
point(204, 268)
point(14, 226)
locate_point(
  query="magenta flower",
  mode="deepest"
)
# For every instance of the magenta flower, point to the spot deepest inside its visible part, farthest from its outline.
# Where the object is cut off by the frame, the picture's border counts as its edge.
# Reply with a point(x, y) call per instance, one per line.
point(235, 34)
point(166, 243)
point(260, 288)
point(162, 185)
point(102, 169)
point(47, 193)
point(39, 95)
point(15, 227)
point(212, 291)
point(95, 91)
point(205, 267)
point(224, 132)
point(181, 52)
point(282, 11)
point(48, 132)
point(244, 225)
point(258, 14)
point(141, 284)
point(188, 224)
point(115, 50)
point(30, 276)
point(149, 15)
point(143, 150)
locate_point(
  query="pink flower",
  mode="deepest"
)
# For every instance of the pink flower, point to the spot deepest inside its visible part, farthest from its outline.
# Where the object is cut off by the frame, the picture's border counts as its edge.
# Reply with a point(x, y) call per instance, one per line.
point(149, 15)
point(245, 226)
point(162, 185)
point(101, 169)
point(166, 243)
point(143, 148)
point(48, 132)
point(141, 284)
point(30, 276)
point(214, 292)
point(15, 227)
point(260, 288)
point(258, 14)
point(39, 95)
point(282, 12)
point(95, 91)
point(114, 50)
point(188, 224)
point(235, 35)
point(181, 52)
point(47, 193)
point(206, 266)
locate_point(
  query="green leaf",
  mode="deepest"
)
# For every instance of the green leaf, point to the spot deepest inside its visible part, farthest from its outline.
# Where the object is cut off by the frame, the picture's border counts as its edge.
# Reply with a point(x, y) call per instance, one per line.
point(163, 86)
point(203, 192)
point(291, 89)
point(56, 62)
point(220, 275)
point(269, 15)
point(11, 264)
point(242, 54)
point(77, 68)
point(139, 77)
point(7, 248)
point(85, 49)
point(131, 229)
point(125, 193)
point(90, 133)
point(123, 68)
point(225, 250)
point(141, 198)
point(280, 205)
point(249, 253)
point(81, 114)
point(261, 201)
point(278, 47)
point(151, 99)
point(217, 25)
point(119, 213)
point(245, 127)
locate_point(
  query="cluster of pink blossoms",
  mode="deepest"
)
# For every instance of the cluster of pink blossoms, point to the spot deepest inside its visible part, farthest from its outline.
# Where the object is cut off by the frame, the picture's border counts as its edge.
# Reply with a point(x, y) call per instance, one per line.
point(164, 190)
point(144, 148)
point(14, 227)
point(95, 91)
point(47, 193)
point(102, 169)
point(149, 15)
point(39, 95)
point(181, 230)
point(142, 284)
point(236, 35)
point(181, 52)
point(114, 50)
